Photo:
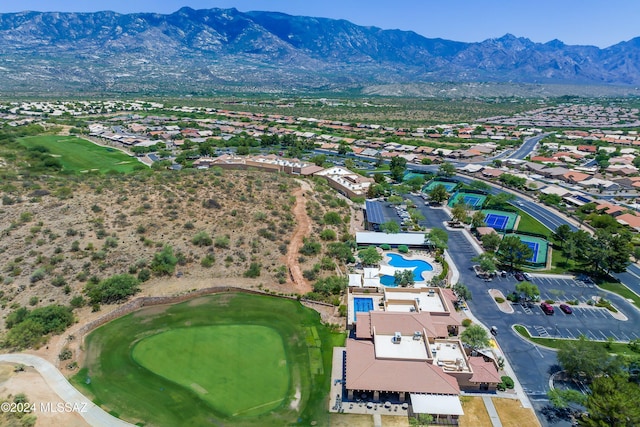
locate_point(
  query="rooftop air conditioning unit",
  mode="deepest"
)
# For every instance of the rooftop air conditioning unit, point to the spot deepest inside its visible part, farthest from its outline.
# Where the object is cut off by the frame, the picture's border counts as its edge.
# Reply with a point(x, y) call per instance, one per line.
point(397, 337)
point(417, 335)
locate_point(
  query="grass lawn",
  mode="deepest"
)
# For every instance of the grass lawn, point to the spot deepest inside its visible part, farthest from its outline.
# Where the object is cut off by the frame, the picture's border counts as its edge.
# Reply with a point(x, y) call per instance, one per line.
point(249, 360)
point(475, 412)
point(79, 155)
point(614, 348)
point(213, 361)
point(532, 225)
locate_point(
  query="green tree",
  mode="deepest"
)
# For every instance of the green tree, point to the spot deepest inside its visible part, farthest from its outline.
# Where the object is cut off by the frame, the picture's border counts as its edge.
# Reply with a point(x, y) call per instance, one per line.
point(497, 201)
point(562, 399)
point(403, 278)
point(253, 271)
point(562, 233)
point(446, 169)
point(530, 291)
point(415, 182)
point(397, 167)
point(487, 261)
point(477, 219)
point(582, 358)
point(341, 251)
point(370, 256)
point(462, 291)
point(439, 238)
point(475, 336)
point(438, 194)
point(390, 227)
point(613, 402)
point(513, 252)
point(491, 241)
point(459, 212)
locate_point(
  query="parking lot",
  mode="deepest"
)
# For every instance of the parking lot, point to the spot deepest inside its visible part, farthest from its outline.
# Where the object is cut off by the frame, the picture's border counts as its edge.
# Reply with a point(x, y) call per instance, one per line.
point(595, 323)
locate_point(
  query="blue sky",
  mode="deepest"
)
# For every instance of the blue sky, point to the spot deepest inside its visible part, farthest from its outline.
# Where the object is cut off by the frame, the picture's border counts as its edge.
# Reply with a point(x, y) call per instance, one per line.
point(587, 22)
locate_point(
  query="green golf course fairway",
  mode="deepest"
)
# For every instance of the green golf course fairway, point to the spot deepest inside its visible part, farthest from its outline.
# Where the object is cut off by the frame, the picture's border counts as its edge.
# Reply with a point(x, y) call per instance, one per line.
point(238, 369)
point(79, 155)
point(228, 359)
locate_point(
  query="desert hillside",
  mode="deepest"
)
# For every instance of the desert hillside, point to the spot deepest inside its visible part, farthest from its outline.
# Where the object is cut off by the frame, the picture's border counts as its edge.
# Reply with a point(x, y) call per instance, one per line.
point(222, 227)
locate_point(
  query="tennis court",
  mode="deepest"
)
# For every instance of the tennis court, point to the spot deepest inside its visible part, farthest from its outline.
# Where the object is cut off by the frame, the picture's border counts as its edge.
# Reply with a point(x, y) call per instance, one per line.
point(500, 220)
point(539, 247)
point(449, 186)
point(474, 200)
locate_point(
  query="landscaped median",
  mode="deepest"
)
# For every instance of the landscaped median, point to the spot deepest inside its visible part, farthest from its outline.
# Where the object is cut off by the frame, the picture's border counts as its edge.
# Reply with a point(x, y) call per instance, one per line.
point(555, 343)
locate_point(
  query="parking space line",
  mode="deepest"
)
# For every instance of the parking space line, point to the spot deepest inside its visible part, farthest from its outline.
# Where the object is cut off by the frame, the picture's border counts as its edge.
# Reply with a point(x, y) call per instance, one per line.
point(603, 335)
point(570, 334)
point(614, 336)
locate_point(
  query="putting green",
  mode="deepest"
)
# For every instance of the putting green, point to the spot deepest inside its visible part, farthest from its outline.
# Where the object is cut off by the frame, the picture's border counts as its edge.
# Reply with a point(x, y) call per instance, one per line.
point(240, 370)
point(229, 359)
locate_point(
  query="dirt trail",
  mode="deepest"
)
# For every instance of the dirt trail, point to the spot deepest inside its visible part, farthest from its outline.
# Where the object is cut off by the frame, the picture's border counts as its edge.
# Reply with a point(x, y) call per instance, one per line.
point(303, 228)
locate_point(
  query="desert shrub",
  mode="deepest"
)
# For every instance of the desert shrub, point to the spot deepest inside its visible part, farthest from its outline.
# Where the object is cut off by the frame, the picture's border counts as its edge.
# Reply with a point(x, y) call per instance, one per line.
point(403, 249)
point(328, 234)
point(65, 354)
point(58, 281)
point(202, 239)
point(164, 262)
point(113, 289)
point(77, 301)
point(332, 218)
point(207, 261)
point(499, 300)
point(37, 275)
point(310, 247)
point(385, 247)
point(466, 322)
point(253, 271)
point(222, 242)
point(144, 275)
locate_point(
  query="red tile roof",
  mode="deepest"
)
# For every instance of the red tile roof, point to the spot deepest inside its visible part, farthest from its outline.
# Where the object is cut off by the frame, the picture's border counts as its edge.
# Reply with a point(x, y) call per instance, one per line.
point(365, 372)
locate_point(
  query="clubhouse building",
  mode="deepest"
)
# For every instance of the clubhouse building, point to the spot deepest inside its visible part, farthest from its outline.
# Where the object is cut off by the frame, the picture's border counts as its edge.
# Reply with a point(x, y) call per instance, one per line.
point(405, 348)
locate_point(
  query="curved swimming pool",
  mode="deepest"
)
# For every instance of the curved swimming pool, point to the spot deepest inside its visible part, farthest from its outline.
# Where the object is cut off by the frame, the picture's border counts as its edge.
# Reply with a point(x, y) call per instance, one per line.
point(396, 260)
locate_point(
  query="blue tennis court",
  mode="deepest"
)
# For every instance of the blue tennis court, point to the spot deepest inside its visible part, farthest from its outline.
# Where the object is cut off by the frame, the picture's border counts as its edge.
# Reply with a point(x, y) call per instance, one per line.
point(534, 247)
point(496, 221)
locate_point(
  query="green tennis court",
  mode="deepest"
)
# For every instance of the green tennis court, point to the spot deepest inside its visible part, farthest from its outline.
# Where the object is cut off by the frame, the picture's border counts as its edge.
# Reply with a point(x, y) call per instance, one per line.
point(449, 186)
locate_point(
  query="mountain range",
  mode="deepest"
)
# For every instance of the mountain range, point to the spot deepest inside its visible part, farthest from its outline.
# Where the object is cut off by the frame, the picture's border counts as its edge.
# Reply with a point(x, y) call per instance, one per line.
point(200, 51)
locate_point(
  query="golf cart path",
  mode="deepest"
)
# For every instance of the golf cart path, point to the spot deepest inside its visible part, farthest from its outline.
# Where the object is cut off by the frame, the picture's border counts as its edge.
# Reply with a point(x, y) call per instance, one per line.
point(93, 414)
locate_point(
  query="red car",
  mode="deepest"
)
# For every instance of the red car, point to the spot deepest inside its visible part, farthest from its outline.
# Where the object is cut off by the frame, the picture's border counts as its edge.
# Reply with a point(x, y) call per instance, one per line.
point(519, 277)
point(547, 308)
point(566, 309)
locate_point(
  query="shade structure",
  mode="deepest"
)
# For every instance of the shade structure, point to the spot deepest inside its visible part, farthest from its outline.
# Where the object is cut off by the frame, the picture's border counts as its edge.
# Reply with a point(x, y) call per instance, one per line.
point(436, 404)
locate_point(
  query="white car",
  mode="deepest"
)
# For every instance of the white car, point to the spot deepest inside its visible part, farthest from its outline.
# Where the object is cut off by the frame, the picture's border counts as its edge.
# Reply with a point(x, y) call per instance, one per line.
point(527, 276)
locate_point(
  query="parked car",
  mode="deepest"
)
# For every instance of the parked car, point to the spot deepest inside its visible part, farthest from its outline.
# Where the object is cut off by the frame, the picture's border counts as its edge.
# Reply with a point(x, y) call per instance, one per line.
point(527, 276)
point(503, 273)
point(519, 276)
point(566, 309)
point(547, 308)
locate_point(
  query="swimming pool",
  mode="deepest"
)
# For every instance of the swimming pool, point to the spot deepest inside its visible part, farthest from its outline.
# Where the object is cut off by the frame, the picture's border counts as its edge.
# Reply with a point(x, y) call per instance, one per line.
point(362, 305)
point(399, 261)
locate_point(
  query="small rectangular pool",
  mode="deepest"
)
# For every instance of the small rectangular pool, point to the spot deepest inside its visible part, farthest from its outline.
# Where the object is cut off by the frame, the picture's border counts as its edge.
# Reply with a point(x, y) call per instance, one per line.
point(362, 305)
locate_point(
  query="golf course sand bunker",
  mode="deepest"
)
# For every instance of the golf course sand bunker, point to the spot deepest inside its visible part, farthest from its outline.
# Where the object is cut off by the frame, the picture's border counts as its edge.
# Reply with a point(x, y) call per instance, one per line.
point(236, 368)
point(231, 359)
